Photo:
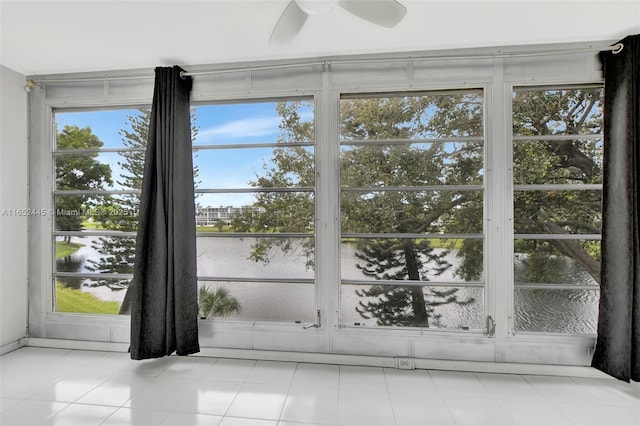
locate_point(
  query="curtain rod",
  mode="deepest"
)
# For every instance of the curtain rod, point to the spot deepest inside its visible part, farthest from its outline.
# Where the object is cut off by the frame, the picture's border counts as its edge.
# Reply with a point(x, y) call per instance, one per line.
point(616, 48)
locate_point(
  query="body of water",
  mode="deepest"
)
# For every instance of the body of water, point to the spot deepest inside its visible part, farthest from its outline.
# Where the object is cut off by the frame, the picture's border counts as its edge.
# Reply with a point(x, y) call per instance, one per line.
point(566, 311)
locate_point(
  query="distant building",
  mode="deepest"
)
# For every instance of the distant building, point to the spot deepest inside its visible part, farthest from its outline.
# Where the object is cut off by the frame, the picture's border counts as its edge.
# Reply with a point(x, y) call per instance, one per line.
point(210, 216)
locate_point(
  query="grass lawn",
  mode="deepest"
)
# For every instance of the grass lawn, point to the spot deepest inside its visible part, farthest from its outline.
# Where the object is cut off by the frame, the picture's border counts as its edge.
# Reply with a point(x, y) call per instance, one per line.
point(72, 300)
point(436, 243)
point(450, 244)
point(92, 225)
point(212, 228)
point(66, 249)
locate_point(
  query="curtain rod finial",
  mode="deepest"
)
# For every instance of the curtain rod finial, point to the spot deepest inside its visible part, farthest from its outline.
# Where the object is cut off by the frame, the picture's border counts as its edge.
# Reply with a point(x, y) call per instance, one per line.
point(617, 48)
point(29, 86)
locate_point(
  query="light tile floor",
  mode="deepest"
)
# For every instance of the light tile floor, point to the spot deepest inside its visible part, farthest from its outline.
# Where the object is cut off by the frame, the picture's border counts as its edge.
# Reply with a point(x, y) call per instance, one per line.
point(72, 387)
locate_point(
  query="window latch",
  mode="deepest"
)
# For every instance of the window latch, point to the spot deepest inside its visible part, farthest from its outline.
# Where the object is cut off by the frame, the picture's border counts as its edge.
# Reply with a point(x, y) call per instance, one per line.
point(491, 326)
point(316, 324)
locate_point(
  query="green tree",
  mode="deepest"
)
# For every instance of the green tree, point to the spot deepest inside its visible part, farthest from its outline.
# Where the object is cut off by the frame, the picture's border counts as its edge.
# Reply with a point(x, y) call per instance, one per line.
point(217, 303)
point(220, 224)
point(405, 198)
point(81, 172)
point(573, 160)
point(390, 211)
point(414, 210)
point(118, 252)
point(290, 167)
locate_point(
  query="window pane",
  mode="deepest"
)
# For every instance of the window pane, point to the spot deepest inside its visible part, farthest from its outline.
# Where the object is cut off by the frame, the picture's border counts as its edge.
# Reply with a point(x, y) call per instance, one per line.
point(123, 132)
point(256, 301)
point(557, 261)
point(255, 122)
point(74, 212)
point(443, 307)
point(256, 212)
point(440, 260)
point(411, 116)
point(225, 199)
point(102, 129)
point(446, 128)
point(246, 168)
point(95, 254)
point(90, 296)
point(287, 258)
point(450, 163)
point(227, 218)
point(556, 311)
point(90, 213)
point(225, 175)
point(557, 141)
point(576, 161)
point(560, 111)
point(557, 212)
point(432, 212)
point(88, 172)
point(94, 130)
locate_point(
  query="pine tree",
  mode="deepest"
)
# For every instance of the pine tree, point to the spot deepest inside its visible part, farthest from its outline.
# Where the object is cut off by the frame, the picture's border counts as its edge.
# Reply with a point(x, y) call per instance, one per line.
point(118, 252)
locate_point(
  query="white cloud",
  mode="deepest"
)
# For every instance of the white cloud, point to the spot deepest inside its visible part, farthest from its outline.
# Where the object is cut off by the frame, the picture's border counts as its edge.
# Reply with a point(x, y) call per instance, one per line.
point(249, 127)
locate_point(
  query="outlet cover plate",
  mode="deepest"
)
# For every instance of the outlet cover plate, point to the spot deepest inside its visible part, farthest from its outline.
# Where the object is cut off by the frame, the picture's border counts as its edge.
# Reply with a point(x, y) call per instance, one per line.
point(405, 363)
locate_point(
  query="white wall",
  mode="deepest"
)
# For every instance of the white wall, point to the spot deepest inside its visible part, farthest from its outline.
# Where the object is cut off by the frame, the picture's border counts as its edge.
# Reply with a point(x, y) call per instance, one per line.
point(13, 197)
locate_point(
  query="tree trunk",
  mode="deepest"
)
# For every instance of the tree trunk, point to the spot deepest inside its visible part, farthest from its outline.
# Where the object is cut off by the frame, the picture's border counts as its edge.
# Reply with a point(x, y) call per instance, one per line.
point(420, 315)
point(574, 250)
point(125, 308)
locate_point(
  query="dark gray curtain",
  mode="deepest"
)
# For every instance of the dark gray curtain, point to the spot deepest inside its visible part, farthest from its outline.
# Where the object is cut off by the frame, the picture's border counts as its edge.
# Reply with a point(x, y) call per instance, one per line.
point(163, 291)
point(618, 347)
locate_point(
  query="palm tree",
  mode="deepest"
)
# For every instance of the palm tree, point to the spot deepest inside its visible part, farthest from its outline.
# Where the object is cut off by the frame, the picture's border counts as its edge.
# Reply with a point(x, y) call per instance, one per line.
point(217, 303)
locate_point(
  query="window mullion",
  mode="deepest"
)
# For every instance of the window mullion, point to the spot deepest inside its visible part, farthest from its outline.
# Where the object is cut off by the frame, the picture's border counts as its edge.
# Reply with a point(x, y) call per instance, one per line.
point(327, 208)
point(498, 204)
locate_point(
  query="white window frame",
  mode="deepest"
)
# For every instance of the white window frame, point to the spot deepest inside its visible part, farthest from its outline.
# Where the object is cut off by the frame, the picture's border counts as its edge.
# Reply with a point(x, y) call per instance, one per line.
point(482, 284)
point(311, 96)
point(496, 73)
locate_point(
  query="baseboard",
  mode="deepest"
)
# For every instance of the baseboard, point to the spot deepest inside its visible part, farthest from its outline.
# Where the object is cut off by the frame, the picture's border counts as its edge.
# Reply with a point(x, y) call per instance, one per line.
point(512, 368)
point(345, 359)
point(84, 345)
point(12, 346)
point(306, 357)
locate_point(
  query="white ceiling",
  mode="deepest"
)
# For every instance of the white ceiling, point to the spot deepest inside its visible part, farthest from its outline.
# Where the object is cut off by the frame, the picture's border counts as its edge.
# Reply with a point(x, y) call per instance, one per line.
point(54, 36)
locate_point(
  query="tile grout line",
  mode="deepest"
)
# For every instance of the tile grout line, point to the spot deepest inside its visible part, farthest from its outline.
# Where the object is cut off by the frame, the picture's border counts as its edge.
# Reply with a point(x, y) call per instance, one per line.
point(442, 400)
point(280, 419)
point(495, 399)
point(244, 381)
point(548, 400)
point(393, 410)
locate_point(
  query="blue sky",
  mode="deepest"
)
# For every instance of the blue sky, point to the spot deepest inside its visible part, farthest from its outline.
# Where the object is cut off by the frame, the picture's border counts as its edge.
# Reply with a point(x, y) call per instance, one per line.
point(217, 124)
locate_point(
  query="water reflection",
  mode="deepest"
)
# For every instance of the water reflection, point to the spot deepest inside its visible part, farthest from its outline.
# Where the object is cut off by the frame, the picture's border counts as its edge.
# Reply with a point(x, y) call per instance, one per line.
point(73, 263)
point(565, 271)
point(556, 311)
point(537, 310)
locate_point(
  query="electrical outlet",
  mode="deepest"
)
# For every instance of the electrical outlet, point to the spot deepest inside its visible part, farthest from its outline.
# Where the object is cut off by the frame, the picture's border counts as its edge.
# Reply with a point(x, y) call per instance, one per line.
point(405, 363)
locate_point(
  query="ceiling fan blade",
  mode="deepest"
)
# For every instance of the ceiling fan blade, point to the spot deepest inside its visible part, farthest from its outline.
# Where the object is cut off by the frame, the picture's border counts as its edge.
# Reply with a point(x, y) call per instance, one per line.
point(289, 24)
point(387, 13)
